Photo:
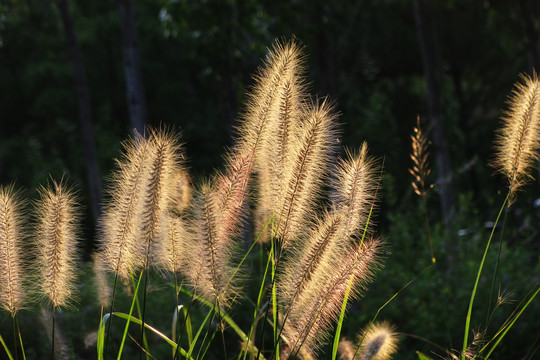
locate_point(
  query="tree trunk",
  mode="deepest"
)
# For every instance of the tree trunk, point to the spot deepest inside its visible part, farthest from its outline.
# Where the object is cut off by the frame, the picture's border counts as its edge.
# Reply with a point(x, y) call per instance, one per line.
point(85, 113)
point(440, 143)
point(132, 66)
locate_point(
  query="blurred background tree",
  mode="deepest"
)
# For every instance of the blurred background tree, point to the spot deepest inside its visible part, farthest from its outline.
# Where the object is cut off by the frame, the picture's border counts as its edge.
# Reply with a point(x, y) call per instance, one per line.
point(196, 62)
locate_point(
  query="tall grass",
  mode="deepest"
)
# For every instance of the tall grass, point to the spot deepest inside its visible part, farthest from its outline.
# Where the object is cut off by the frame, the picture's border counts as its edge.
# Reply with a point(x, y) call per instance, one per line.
point(312, 215)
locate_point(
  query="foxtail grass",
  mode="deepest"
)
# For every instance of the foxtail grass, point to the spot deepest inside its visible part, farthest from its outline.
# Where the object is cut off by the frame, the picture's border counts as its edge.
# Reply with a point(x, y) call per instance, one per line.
point(517, 145)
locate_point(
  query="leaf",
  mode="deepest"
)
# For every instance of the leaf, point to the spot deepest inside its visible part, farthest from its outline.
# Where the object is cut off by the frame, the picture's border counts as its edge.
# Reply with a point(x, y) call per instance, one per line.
point(423, 356)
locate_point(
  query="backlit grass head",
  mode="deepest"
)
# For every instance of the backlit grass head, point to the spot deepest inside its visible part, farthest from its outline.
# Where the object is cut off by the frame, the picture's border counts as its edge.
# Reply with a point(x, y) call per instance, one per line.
point(56, 232)
point(12, 261)
point(518, 140)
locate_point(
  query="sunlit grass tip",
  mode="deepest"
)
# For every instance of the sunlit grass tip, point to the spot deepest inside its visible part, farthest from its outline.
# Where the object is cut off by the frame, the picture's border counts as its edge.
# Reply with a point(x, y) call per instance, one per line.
point(518, 140)
point(13, 263)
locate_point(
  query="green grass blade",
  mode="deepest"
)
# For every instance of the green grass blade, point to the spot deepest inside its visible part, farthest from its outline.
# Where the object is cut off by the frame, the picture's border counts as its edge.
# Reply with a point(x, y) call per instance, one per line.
point(135, 296)
point(6, 348)
point(423, 356)
point(100, 343)
point(137, 321)
point(257, 306)
point(196, 338)
point(479, 273)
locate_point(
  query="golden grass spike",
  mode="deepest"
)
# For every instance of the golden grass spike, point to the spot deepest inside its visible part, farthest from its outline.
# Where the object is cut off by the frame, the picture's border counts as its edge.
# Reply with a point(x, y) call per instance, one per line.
point(420, 156)
point(174, 247)
point(120, 223)
point(57, 225)
point(219, 212)
point(355, 184)
point(307, 172)
point(518, 140)
point(322, 248)
point(12, 262)
point(159, 188)
point(379, 342)
point(283, 117)
point(314, 312)
point(284, 60)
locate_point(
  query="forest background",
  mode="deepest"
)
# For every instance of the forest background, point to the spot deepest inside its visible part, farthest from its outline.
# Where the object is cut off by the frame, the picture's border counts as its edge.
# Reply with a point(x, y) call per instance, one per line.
point(65, 67)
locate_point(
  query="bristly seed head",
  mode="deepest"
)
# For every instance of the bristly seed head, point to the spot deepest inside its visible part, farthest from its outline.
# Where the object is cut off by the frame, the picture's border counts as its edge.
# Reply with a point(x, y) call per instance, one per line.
point(12, 262)
point(57, 224)
point(518, 140)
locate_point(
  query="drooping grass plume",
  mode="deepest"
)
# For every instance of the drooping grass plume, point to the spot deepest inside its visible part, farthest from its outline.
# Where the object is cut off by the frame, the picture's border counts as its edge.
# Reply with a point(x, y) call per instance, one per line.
point(314, 312)
point(310, 161)
point(219, 211)
point(102, 286)
point(518, 140)
point(12, 261)
point(120, 223)
point(354, 186)
point(378, 342)
point(56, 234)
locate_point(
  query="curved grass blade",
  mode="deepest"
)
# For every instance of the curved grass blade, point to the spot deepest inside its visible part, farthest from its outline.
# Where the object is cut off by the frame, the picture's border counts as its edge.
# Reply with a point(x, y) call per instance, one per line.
point(137, 321)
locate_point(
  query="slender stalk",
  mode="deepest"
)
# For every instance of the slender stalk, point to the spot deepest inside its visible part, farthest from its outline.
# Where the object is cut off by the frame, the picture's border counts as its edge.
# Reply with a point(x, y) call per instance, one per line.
point(135, 294)
point(14, 338)
point(53, 327)
point(428, 230)
point(144, 314)
point(495, 272)
point(20, 336)
point(473, 294)
point(512, 323)
point(110, 319)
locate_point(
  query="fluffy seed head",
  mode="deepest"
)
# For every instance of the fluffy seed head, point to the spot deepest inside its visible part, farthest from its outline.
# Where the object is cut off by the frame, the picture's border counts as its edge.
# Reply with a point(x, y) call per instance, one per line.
point(159, 188)
point(12, 262)
point(57, 222)
point(518, 140)
point(379, 342)
point(307, 172)
point(355, 184)
point(314, 312)
point(120, 223)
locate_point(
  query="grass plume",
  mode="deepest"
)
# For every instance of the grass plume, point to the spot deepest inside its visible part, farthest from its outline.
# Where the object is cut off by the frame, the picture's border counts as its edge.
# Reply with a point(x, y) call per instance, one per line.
point(303, 181)
point(57, 224)
point(119, 225)
point(218, 212)
point(378, 342)
point(12, 261)
point(314, 312)
point(518, 139)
